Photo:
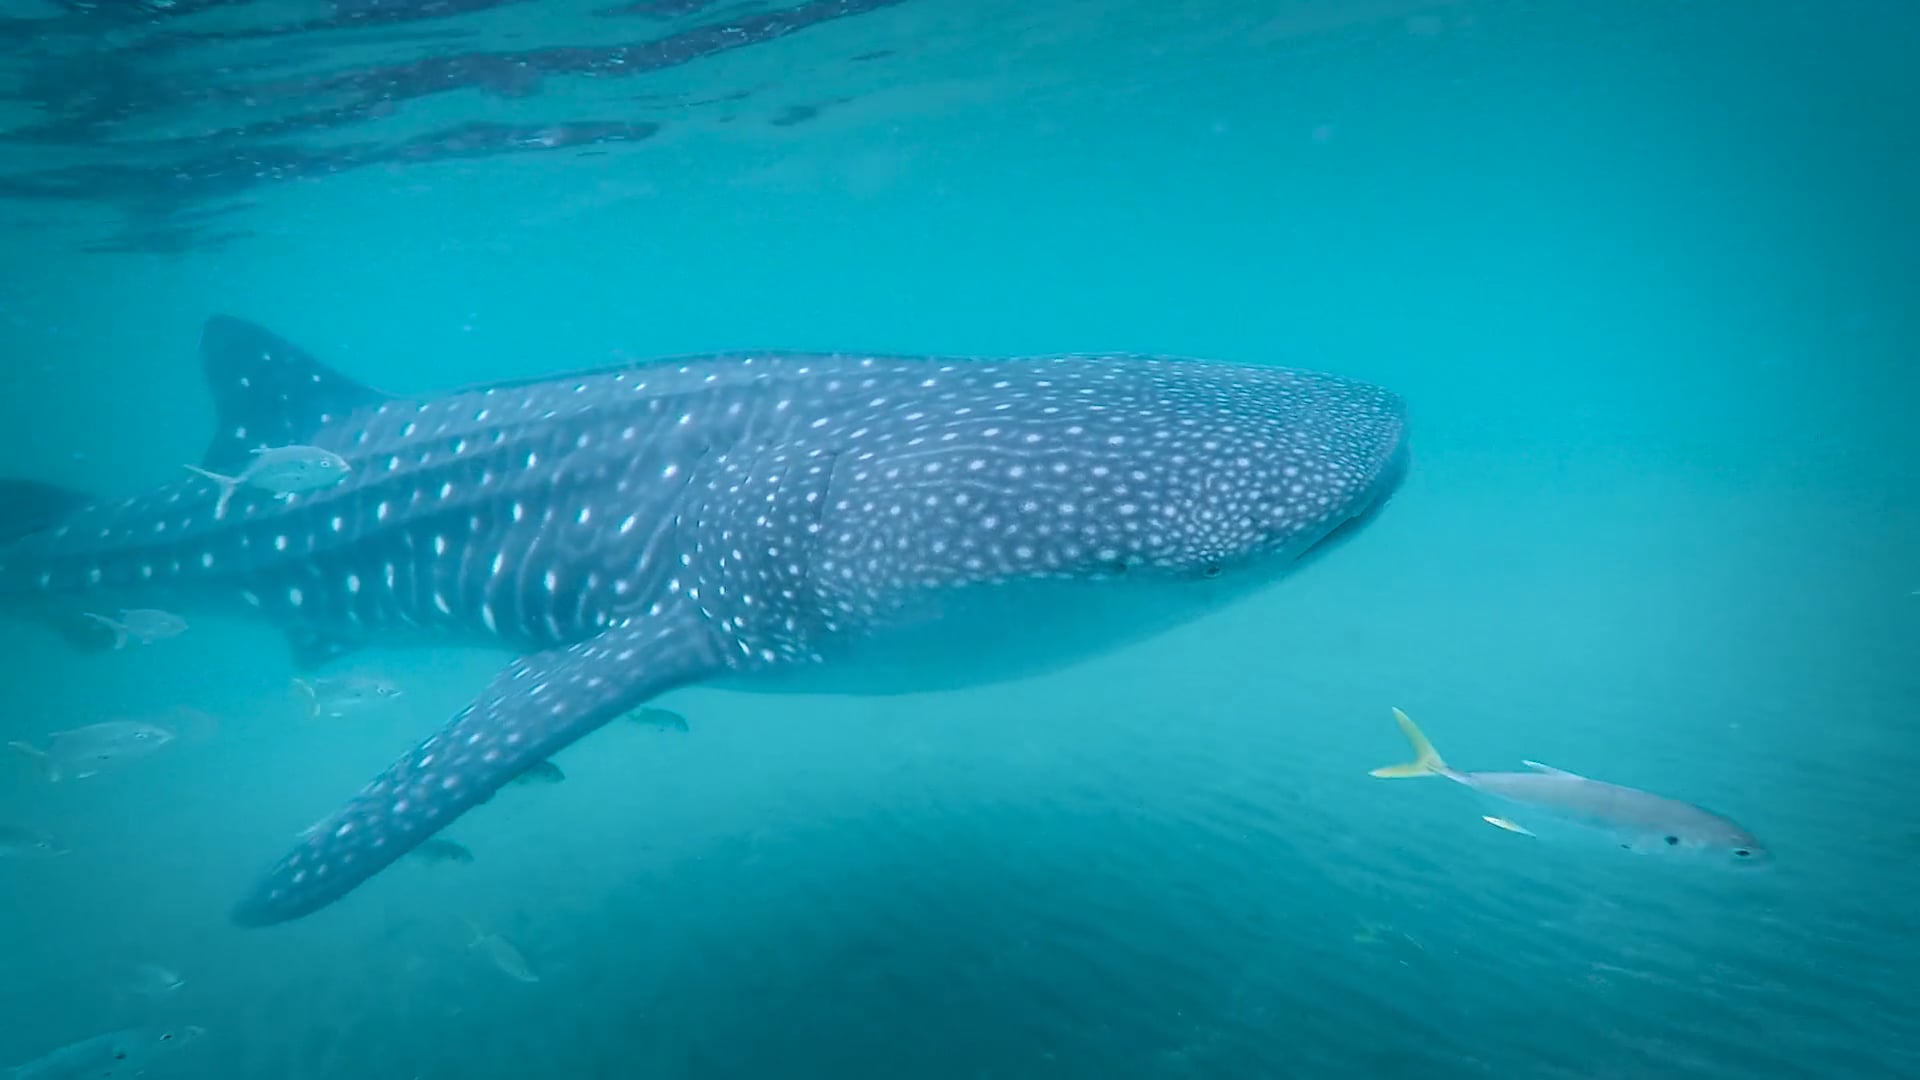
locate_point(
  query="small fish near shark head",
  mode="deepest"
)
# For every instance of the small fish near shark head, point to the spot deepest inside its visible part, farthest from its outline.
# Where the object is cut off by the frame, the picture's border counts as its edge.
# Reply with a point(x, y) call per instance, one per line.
point(736, 518)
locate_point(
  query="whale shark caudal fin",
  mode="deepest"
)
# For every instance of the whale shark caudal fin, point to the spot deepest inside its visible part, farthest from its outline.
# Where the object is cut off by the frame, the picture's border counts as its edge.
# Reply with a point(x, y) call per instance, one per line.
point(29, 506)
point(1426, 760)
point(538, 705)
point(267, 391)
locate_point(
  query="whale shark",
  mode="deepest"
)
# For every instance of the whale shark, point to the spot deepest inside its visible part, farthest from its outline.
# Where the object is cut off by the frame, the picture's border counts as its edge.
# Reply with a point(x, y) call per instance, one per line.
point(773, 521)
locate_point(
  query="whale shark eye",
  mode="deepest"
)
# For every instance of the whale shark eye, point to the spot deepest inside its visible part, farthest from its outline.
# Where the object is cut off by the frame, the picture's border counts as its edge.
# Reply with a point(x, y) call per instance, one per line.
point(1672, 840)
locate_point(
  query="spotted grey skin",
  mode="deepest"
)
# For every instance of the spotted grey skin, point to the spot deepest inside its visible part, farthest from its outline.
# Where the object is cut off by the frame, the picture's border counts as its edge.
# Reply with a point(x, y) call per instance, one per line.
point(870, 522)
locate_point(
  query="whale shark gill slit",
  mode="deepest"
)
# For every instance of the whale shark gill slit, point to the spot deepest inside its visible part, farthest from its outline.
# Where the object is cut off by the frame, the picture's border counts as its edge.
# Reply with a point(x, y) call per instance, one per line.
point(538, 705)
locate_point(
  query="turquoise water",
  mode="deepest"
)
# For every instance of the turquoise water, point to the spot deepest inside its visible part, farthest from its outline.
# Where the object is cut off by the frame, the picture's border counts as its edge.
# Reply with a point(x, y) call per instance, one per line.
point(1645, 278)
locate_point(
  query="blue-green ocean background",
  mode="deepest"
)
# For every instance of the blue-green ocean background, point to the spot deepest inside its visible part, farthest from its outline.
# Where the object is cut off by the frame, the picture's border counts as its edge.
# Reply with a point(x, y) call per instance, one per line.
point(1646, 274)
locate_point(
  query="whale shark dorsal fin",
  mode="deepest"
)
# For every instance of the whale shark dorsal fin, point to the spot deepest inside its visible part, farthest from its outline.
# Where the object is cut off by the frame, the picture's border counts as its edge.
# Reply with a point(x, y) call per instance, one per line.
point(267, 391)
point(538, 705)
point(1550, 770)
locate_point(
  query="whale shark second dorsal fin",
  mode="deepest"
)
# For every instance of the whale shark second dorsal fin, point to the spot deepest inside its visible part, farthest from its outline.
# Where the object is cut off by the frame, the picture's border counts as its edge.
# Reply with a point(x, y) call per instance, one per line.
point(267, 391)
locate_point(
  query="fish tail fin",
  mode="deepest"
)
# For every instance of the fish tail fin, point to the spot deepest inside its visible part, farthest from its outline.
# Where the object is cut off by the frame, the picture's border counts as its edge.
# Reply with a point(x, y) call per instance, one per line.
point(313, 697)
point(228, 485)
point(119, 629)
point(1426, 760)
point(40, 757)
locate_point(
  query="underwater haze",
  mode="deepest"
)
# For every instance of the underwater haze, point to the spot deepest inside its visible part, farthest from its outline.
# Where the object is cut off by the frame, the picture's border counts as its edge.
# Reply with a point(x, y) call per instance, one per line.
point(1644, 276)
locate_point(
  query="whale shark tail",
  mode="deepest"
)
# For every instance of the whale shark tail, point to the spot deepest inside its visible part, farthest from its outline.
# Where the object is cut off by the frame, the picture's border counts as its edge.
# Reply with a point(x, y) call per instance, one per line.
point(1426, 760)
point(29, 506)
point(27, 509)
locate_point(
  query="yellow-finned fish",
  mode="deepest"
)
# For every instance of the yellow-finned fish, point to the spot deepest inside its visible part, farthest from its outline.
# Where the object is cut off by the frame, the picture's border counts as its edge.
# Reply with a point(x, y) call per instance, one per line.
point(1636, 820)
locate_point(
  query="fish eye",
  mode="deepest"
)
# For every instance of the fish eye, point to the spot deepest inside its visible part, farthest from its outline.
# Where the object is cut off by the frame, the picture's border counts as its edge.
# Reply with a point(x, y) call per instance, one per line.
point(1672, 840)
point(1742, 852)
point(168, 1037)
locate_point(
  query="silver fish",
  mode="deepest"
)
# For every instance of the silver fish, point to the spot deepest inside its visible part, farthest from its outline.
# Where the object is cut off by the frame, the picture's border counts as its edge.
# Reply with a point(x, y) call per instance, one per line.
point(664, 719)
point(17, 842)
point(145, 625)
point(91, 750)
point(151, 981)
point(282, 471)
point(123, 1053)
point(541, 772)
point(1638, 821)
point(440, 849)
point(501, 954)
point(336, 696)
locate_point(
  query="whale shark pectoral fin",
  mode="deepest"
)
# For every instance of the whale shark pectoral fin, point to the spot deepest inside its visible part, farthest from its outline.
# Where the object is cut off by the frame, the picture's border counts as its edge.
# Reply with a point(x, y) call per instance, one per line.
point(267, 391)
point(538, 705)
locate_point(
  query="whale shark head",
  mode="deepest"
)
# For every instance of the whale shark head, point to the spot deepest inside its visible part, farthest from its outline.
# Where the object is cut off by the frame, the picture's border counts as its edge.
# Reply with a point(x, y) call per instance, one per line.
point(735, 517)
